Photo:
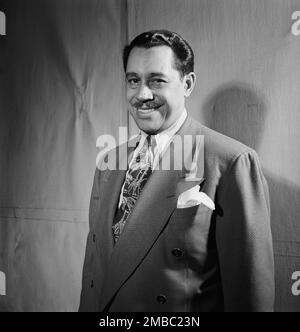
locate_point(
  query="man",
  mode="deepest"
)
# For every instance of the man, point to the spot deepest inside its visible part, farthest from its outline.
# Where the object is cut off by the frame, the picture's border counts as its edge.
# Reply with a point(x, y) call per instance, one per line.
point(144, 251)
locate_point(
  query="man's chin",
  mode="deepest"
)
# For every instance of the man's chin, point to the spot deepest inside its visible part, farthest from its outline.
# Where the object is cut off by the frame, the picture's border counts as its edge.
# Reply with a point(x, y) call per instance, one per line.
point(149, 123)
point(148, 127)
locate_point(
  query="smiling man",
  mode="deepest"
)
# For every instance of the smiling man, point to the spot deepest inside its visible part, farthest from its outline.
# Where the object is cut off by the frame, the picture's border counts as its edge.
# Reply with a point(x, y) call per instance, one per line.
point(159, 240)
point(156, 90)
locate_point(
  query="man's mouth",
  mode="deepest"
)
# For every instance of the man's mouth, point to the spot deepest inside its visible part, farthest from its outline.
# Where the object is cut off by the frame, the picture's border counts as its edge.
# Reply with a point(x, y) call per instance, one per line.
point(147, 110)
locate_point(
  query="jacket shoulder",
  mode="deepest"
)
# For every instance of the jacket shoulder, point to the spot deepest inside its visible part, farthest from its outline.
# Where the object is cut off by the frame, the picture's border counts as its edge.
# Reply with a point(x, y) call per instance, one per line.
point(219, 144)
point(221, 151)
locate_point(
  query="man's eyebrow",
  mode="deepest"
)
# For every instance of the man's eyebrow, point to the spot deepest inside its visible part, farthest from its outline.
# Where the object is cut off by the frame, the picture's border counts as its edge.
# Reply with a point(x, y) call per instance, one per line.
point(153, 74)
point(157, 74)
point(131, 74)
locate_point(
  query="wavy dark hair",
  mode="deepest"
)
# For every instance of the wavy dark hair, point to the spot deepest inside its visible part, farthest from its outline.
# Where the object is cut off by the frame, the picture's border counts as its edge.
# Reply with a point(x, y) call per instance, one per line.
point(184, 55)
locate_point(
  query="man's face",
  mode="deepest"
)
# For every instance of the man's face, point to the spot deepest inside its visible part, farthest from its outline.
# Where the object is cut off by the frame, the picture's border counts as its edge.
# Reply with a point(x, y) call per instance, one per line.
point(155, 91)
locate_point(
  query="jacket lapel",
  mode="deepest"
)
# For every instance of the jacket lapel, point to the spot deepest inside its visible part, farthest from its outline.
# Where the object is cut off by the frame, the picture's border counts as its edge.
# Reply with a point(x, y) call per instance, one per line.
point(145, 223)
point(110, 184)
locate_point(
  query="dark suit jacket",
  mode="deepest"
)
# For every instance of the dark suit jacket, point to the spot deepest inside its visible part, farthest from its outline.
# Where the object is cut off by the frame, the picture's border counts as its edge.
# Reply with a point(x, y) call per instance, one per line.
point(192, 259)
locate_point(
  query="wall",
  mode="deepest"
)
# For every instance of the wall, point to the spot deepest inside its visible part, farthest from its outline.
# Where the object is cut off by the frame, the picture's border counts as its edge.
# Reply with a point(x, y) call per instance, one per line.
point(61, 86)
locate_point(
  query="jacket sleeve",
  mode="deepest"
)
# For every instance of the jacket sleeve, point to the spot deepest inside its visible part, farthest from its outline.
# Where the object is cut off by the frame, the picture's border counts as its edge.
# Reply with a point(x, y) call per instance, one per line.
point(243, 235)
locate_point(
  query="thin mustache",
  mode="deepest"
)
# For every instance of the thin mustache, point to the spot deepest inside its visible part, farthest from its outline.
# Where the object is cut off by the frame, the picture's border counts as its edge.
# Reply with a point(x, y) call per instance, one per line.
point(146, 105)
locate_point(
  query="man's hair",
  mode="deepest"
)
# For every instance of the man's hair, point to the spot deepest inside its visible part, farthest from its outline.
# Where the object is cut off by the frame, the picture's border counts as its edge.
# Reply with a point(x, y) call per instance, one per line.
point(183, 53)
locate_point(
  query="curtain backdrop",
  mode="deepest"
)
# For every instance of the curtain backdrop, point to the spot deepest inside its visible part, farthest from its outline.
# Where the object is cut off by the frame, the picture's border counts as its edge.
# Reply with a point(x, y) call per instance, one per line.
point(63, 87)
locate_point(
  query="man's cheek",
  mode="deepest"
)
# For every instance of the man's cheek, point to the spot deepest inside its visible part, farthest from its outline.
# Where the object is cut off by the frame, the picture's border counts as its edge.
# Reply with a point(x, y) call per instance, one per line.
point(130, 97)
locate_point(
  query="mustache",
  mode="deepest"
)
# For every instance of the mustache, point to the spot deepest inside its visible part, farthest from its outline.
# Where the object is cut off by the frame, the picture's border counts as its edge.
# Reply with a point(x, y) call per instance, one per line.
point(146, 104)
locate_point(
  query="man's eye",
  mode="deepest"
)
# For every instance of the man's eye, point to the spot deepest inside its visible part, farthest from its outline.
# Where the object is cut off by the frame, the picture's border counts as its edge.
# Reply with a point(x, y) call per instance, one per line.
point(157, 82)
point(133, 82)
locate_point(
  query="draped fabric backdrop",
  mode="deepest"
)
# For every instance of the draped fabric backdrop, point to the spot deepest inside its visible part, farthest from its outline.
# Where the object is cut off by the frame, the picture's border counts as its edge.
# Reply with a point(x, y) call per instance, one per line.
point(62, 85)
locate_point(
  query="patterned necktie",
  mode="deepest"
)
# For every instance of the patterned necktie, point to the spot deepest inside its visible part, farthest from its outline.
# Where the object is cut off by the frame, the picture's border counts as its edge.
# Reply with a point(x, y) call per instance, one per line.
point(135, 181)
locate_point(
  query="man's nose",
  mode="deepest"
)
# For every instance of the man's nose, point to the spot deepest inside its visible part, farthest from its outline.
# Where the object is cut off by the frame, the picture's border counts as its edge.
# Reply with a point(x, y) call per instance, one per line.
point(144, 93)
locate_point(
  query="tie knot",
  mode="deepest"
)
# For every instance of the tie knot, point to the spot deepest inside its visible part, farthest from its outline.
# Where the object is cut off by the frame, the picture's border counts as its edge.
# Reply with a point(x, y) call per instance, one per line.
point(151, 145)
point(151, 141)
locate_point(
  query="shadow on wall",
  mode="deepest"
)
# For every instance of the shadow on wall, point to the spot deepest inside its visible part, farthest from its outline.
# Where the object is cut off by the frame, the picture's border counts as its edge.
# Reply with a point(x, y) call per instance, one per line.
point(238, 111)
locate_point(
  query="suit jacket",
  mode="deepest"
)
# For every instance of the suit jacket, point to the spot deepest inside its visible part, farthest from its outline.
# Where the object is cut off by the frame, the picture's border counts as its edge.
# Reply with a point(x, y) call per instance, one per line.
point(182, 260)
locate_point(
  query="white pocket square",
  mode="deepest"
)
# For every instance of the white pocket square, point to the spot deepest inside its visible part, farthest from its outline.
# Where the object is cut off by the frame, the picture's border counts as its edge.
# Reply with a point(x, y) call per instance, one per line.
point(193, 197)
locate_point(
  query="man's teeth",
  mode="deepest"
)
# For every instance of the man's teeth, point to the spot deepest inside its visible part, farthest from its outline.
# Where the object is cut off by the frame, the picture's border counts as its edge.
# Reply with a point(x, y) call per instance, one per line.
point(146, 110)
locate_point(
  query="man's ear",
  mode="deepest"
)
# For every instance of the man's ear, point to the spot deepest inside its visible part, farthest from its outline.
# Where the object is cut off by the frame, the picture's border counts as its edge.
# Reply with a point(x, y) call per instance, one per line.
point(189, 83)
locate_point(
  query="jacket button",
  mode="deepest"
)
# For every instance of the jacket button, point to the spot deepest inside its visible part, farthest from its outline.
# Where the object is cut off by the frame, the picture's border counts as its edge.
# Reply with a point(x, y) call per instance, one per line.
point(177, 252)
point(94, 237)
point(92, 283)
point(161, 299)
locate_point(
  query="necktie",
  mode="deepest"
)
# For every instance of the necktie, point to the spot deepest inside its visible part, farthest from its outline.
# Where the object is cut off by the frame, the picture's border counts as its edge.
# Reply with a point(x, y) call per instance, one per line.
point(135, 181)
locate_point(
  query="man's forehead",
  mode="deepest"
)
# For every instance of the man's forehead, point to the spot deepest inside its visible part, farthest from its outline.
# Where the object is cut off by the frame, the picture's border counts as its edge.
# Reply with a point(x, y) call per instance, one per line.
point(157, 59)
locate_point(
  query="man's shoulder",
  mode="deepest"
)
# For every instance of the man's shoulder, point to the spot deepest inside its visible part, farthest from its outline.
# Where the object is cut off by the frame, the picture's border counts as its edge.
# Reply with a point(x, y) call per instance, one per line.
point(218, 145)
